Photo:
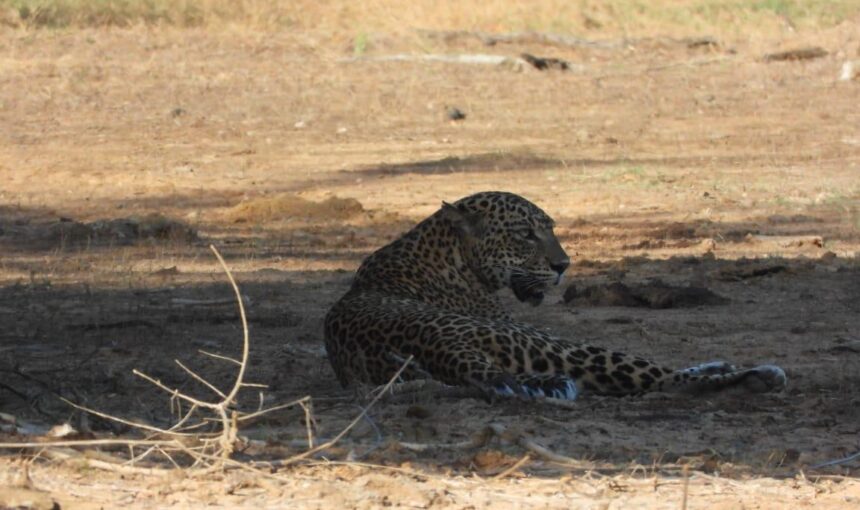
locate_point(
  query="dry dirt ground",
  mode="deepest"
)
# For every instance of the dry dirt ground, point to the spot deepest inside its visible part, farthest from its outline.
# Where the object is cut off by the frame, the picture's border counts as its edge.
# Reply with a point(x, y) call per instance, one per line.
point(696, 164)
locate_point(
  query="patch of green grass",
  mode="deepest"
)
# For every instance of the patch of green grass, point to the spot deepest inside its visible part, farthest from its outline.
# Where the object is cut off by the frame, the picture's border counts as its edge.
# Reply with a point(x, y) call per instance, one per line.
point(64, 13)
point(822, 12)
point(562, 16)
point(783, 201)
point(634, 176)
point(360, 44)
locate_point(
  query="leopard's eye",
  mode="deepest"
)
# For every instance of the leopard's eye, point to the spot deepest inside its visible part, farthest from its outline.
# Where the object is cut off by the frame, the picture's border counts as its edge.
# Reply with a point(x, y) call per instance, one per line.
point(525, 233)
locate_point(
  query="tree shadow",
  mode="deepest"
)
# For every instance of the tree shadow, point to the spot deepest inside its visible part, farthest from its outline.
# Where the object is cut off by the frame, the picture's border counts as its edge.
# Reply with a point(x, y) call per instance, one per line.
point(81, 341)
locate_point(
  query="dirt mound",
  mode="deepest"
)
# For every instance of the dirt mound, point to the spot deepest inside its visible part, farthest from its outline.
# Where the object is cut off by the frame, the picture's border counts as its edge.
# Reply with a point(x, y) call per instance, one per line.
point(288, 205)
point(152, 226)
point(63, 231)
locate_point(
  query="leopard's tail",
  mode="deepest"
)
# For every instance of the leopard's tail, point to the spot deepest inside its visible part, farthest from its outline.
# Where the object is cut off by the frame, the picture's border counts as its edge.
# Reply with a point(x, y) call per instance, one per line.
point(696, 380)
point(597, 370)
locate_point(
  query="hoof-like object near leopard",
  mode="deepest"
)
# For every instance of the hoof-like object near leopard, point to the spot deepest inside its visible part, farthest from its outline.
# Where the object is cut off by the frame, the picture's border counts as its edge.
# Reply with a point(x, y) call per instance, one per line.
point(765, 378)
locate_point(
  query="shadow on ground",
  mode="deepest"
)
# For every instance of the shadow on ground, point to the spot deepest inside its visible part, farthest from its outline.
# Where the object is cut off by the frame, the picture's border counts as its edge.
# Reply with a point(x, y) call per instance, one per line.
point(81, 341)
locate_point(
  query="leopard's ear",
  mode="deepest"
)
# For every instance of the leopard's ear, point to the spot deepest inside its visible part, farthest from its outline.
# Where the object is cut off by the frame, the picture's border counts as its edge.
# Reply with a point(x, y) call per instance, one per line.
point(466, 223)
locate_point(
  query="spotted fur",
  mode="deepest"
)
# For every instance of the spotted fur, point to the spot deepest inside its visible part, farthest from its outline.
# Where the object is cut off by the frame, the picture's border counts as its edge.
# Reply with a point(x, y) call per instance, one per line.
point(432, 295)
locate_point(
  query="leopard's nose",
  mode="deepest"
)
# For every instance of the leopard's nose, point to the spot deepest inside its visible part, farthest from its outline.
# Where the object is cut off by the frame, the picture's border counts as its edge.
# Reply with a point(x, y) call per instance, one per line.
point(560, 266)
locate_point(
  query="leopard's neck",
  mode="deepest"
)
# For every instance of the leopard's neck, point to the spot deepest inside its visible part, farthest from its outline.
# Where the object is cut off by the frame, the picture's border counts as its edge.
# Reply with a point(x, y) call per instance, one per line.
point(429, 264)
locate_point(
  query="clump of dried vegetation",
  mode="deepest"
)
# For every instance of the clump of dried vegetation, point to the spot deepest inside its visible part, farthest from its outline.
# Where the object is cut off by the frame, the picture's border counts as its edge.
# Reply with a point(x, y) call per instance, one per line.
point(628, 17)
point(207, 432)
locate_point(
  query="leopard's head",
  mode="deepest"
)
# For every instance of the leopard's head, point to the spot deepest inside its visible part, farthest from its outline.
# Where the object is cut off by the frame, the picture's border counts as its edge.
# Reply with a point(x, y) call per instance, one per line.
point(508, 242)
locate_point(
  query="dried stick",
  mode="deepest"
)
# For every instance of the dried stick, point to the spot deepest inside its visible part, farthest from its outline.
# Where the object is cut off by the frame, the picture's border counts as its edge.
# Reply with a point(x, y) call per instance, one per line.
point(529, 444)
point(257, 414)
point(210, 450)
point(686, 489)
point(518, 464)
point(92, 442)
point(477, 440)
point(353, 423)
point(200, 379)
point(524, 37)
point(142, 426)
point(309, 422)
point(836, 462)
point(206, 302)
point(218, 356)
point(229, 431)
point(67, 454)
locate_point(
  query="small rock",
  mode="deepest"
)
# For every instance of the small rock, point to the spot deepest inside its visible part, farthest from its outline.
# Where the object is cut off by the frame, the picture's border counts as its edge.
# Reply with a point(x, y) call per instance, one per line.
point(418, 412)
point(850, 70)
point(167, 271)
point(702, 42)
point(60, 431)
point(796, 54)
point(827, 257)
point(543, 64)
point(454, 113)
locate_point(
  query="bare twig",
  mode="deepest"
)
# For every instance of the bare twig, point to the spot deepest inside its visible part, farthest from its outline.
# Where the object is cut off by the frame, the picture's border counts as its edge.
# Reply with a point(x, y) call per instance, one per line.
point(353, 423)
point(529, 444)
point(245, 340)
point(68, 454)
point(524, 37)
point(477, 440)
point(207, 302)
point(467, 58)
point(309, 421)
point(137, 425)
point(686, 488)
point(518, 464)
point(200, 379)
point(209, 451)
point(91, 442)
point(218, 356)
point(257, 414)
point(836, 462)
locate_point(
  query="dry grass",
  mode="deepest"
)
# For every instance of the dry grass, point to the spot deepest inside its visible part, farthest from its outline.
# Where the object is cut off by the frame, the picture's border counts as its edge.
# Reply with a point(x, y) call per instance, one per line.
point(628, 17)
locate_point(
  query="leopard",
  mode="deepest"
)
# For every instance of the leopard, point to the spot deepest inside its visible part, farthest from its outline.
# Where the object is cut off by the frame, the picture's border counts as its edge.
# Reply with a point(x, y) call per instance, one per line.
point(428, 306)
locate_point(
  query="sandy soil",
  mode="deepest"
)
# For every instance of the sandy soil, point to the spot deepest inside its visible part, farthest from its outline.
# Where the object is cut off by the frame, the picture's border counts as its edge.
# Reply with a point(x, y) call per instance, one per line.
point(701, 165)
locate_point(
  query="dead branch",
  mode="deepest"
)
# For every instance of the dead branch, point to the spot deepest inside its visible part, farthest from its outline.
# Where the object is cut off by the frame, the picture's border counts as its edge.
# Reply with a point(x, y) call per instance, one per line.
point(477, 440)
point(523, 38)
point(200, 379)
point(519, 63)
point(218, 356)
point(207, 302)
point(300, 402)
point(476, 58)
point(67, 454)
point(87, 442)
point(353, 423)
point(518, 464)
point(836, 462)
point(807, 53)
point(210, 450)
point(543, 452)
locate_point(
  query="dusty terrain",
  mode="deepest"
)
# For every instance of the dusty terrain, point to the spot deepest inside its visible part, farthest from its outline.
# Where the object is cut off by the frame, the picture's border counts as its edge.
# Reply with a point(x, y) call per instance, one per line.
point(691, 164)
